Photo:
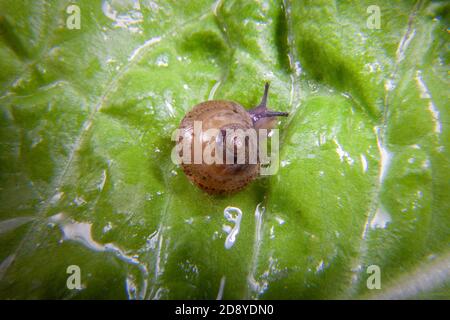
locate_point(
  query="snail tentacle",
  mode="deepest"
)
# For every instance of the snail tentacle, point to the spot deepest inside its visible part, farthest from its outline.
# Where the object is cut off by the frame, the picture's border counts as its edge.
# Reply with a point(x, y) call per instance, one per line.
point(263, 117)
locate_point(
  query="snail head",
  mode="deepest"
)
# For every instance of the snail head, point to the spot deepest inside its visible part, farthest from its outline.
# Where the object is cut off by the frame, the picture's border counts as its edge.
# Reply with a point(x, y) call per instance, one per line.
point(262, 117)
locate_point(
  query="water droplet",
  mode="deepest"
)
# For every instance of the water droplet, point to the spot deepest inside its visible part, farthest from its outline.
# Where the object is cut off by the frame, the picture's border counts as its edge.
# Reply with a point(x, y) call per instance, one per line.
point(102, 182)
point(342, 153)
point(56, 197)
point(79, 201)
point(385, 156)
point(363, 162)
point(126, 14)
point(221, 287)
point(280, 220)
point(232, 231)
point(162, 60)
point(381, 219)
point(320, 266)
point(272, 233)
point(107, 227)
point(389, 85)
point(213, 90)
point(285, 163)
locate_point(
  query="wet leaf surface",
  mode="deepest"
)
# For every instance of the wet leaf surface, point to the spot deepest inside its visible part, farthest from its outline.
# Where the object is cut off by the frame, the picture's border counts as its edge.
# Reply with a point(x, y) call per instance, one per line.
point(85, 137)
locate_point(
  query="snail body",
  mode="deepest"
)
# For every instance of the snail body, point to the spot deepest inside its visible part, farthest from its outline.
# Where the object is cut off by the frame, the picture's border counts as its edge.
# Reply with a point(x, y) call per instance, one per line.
point(218, 119)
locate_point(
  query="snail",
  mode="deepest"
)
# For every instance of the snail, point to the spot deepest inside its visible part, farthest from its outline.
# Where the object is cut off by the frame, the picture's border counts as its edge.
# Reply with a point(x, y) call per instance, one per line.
point(235, 167)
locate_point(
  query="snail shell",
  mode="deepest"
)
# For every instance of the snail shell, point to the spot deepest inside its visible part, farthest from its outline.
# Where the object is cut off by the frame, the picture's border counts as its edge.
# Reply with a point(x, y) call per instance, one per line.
point(225, 178)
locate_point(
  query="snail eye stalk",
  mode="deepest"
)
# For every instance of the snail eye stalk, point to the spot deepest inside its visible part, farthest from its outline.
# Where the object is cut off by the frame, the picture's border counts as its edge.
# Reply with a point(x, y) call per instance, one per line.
point(263, 117)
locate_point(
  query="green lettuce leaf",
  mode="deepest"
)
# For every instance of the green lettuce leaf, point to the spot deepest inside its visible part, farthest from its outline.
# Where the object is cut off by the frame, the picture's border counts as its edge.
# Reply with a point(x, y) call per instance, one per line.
point(86, 176)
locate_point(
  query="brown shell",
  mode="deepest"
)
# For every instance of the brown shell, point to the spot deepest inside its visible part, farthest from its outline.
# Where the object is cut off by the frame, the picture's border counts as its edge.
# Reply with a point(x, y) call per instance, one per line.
point(219, 178)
